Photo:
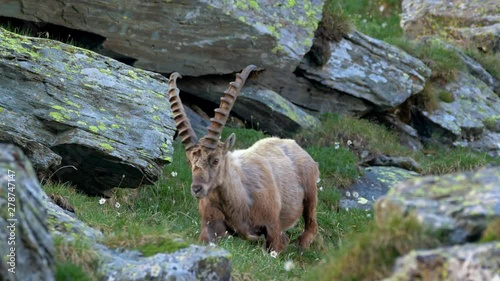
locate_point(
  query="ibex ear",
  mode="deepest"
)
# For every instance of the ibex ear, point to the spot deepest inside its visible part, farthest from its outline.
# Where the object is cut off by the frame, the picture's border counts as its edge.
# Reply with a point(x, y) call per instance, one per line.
point(229, 142)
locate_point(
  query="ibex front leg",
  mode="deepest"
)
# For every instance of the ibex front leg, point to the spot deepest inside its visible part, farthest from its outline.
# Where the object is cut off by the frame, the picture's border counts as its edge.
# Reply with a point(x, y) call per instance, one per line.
point(213, 224)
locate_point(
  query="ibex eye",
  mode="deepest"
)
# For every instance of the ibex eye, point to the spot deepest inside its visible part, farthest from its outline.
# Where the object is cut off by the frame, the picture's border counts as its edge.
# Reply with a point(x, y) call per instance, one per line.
point(215, 161)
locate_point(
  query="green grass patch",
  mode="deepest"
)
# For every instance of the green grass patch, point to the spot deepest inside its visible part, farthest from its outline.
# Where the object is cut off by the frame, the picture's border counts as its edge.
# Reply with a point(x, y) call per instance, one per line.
point(75, 258)
point(66, 271)
point(492, 232)
point(337, 166)
point(370, 254)
point(489, 61)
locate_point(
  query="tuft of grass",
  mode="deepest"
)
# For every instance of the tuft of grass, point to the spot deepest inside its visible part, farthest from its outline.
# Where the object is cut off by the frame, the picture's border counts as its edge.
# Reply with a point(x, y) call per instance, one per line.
point(148, 242)
point(492, 232)
point(440, 160)
point(370, 255)
point(75, 257)
point(338, 166)
point(66, 271)
point(490, 61)
point(446, 96)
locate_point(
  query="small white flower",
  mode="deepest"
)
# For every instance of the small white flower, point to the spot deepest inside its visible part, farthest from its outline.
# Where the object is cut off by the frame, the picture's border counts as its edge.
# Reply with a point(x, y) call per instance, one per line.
point(337, 145)
point(274, 254)
point(384, 25)
point(355, 194)
point(364, 21)
point(155, 270)
point(174, 174)
point(289, 265)
point(117, 205)
point(362, 200)
point(368, 215)
point(320, 188)
point(347, 209)
point(381, 8)
point(111, 278)
point(211, 244)
point(349, 142)
point(102, 201)
point(318, 180)
point(348, 194)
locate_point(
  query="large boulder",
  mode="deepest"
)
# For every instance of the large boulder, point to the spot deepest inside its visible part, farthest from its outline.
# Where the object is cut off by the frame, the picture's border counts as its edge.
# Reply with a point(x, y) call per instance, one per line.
point(468, 22)
point(371, 70)
point(469, 119)
point(109, 123)
point(478, 262)
point(195, 37)
point(26, 247)
point(458, 207)
point(262, 108)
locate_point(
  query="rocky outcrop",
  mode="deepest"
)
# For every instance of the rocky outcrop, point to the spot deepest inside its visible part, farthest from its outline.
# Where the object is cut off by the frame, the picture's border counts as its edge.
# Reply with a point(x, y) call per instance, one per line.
point(26, 246)
point(374, 183)
point(471, 23)
point(67, 106)
point(371, 70)
point(262, 108)
point(191, 263)
point(464, 120)
point(478, 262)
point(457, 206)
point(195, 37)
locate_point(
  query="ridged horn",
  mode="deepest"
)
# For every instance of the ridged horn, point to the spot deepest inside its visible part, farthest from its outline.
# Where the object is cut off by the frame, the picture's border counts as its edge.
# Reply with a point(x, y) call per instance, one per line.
point(226, 104)
point(186, 133)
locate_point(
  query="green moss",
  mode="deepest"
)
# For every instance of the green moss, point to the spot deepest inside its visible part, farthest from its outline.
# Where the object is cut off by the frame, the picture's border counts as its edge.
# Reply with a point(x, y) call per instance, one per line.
point(490, 122)
point(290, 3)
point(162, 246)
point(106, 146)
point(156, 118)
point(1, 109)
point(492, 231)
point(57, 107)
point(93, 129)
point(115, 126)
point(56, 116)
point(101, 126)
point(81, 123)
point(446, 96)
point(132, 74)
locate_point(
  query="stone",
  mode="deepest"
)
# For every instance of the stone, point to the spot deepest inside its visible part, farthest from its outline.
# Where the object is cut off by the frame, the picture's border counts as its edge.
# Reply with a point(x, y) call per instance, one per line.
point(375, 182)
point(190, 263)
point(475, 262)
point(464, 120)
point(371, 70)
point(26, 247)
point(467, 22)
point(457, 206)
point(98, 122)
point(261, 108)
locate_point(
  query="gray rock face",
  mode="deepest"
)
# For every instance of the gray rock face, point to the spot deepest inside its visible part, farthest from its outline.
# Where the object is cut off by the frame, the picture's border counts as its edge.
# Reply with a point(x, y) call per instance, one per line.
point(468, 22)
point(26, 246)
point(477, 262)
point(371, 70)
point(262, 108)
point(375, 183)
point(464, 120)
point(68, 106)
point(192, 263)
point(457, 206)
point(194, 37)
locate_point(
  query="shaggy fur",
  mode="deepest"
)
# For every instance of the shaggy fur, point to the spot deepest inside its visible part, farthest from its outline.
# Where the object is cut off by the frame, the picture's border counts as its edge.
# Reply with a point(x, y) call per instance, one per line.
point(261, 190)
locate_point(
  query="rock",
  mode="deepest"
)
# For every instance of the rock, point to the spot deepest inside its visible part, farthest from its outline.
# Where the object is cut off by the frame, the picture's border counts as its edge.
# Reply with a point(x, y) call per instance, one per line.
point(262, 108)
point(199, 123)
point(26, 246)
point(407, 135)
point(371, 70)
point(191, 263)
point(406, 163)
point(375, 183)
point(195, 37)
point(463, 119)
point(457, 206)
point(477, 262)
point(67, 106)
point(475, 23)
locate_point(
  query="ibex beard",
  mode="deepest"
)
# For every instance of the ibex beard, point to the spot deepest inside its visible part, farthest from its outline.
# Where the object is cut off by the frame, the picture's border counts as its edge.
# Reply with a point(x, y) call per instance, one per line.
point(262, 190)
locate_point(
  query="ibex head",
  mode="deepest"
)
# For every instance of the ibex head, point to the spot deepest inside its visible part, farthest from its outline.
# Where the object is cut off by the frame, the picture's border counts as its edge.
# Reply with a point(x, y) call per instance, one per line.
point(206, 156)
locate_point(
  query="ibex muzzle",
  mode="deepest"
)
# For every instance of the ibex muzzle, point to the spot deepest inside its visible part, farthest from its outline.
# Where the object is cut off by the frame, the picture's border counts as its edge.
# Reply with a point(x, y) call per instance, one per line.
point(262, 190)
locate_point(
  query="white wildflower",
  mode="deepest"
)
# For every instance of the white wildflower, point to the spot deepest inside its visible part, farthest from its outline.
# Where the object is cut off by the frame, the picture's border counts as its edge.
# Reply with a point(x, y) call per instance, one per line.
point(347, 209)
point(174, 174)
point(289, 265)
point(102, 201)
point(381, 8)
point(111, 278)
point(117, 205)
point(355, 194)
point(368, 215)
point(348, 194)
point(274, 254)
point(384, 24)
point(318, 180)
point(362, 200)
point(211, 244)
point(337, 145)
point(320, 188)
point(349, 142)
point(155, 270)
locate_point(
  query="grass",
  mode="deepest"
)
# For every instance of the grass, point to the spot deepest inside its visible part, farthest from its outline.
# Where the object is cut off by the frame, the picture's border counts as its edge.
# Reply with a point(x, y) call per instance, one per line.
point(165, 216)
point(75, 261)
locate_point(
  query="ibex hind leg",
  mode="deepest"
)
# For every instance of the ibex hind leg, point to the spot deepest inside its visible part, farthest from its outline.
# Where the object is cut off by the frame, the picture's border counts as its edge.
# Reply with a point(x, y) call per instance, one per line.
point(309, 214)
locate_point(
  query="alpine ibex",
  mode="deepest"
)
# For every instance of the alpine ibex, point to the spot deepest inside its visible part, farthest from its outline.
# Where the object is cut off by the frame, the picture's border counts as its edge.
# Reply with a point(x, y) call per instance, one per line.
point(260, 190)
